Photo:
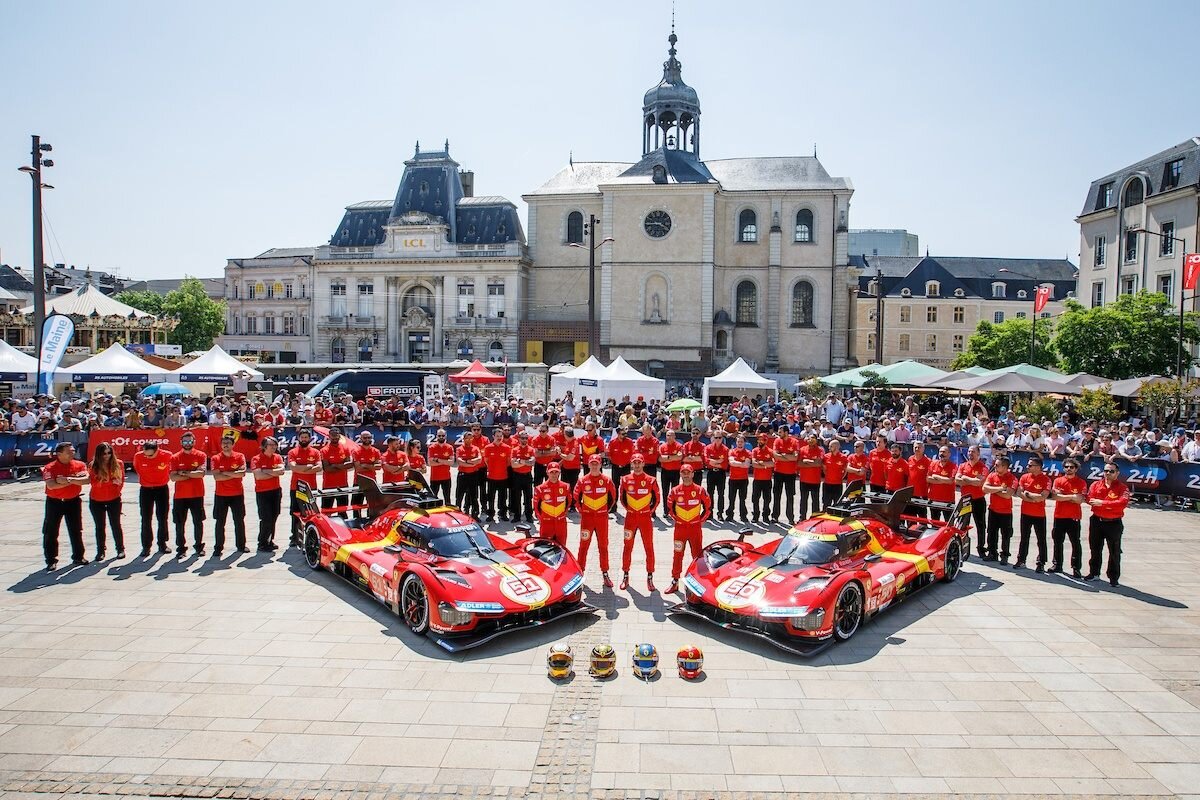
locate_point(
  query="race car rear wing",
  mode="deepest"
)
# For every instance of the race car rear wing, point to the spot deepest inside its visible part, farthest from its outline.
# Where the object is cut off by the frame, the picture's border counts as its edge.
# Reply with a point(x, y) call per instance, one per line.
point(858, 496)
point(413, 492)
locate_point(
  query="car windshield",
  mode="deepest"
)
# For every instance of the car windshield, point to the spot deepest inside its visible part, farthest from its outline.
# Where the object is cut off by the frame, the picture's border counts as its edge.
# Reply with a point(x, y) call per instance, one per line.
point(805, 548)
point(459, 541)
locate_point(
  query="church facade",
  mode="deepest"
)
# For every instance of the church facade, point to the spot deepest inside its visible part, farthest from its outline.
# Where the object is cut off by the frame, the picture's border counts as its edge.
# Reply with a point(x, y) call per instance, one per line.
point(701, 261)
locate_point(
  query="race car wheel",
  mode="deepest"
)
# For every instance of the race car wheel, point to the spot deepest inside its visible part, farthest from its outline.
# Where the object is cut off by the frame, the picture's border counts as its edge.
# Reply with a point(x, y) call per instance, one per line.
point(953, 562)
point(312, 547)
point(414, 604)
point(847, 611)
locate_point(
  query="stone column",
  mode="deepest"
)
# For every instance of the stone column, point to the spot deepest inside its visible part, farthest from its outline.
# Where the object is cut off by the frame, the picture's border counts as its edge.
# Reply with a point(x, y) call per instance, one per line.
point(774, 287)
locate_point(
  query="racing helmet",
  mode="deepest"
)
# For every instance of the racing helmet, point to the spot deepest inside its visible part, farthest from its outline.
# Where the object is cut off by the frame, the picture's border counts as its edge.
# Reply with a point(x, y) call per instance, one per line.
point(645, 660)
point(560, 661)
point(691, 662)
point(604, 661)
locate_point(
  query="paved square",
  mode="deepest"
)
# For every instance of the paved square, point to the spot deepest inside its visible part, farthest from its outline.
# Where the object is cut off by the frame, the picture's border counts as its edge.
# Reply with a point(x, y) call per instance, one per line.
point(254, 677)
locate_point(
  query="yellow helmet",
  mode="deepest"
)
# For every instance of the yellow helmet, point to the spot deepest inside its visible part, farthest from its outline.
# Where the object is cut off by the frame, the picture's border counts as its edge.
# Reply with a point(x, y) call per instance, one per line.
point(604, 661)
point(560, 661)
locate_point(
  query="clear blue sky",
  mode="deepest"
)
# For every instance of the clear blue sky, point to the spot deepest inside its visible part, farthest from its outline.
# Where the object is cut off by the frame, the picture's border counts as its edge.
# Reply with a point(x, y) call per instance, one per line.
point(188, 133)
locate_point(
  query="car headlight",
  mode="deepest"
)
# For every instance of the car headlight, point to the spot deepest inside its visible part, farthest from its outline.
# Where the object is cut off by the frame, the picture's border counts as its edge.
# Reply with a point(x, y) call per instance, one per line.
point(811, 585)
point(782, 611)
point(452, 616)
point(812, 621)
point(694, 586)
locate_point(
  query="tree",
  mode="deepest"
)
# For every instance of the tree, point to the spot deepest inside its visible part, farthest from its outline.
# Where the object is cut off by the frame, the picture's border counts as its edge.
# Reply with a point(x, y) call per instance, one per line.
point(150, 302)
point(1161, 399)
point(1097, 404)
point(873, 380)
point(1135, 336)
point(1037, 408)
point(201, 319)
point(993, 346)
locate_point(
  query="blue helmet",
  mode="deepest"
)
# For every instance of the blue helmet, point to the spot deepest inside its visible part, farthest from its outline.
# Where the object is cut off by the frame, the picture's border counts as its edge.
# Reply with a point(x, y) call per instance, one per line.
point(645, 660)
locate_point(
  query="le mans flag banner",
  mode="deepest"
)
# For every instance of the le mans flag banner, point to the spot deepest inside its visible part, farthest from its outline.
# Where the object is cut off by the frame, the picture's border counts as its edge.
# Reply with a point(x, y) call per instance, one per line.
point(1191, 270)
point(57, 331)
point(1042, 297)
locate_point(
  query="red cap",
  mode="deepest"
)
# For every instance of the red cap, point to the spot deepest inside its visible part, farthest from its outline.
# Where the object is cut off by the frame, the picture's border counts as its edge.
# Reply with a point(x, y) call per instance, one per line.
point(686, 468)
point(554, 465)
point(638, 457)
point(595, 460)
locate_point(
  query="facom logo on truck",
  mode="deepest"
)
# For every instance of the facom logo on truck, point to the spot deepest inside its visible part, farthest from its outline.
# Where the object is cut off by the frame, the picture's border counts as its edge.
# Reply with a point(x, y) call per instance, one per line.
point(383, 391)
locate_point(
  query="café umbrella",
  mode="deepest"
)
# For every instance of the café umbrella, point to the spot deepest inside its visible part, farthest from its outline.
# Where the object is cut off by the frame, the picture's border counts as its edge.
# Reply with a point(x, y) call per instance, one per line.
point(165, 389)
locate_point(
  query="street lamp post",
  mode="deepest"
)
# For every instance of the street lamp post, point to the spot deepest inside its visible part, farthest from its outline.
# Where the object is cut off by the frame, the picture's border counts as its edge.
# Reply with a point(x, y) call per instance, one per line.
point(593, 337)
point(878, 308)
point(39, 276)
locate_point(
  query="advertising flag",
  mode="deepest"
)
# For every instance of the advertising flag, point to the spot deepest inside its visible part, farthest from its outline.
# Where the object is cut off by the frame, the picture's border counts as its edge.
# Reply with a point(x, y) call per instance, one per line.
point(1191, 270)
point(1042, 297)
point(56, 337)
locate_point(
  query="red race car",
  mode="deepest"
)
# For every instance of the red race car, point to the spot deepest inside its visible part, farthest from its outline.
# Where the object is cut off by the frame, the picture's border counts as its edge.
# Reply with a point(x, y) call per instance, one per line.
point(829, 574)
point(436, 568)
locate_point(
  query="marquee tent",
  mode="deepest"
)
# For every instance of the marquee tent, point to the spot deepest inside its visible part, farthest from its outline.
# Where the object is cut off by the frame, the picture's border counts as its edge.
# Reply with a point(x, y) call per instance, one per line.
point(215, 366)
point(114, 365)
point(15, 365)
point(1011, 381)
point(738, 379)
point(584, 379)
point(477, 373)
point(908, 373)
point(621, 380)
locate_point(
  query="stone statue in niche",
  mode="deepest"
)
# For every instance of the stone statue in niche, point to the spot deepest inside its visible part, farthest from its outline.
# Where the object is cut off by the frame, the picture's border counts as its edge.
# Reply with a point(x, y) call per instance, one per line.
point(655, 309)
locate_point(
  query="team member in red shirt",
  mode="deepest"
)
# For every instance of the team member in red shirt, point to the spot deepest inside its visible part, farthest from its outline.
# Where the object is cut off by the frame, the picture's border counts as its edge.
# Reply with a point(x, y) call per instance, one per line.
point(810, 461)
point(639, 496)
point(1035, 488)
point(786, 449)
point(689, 506)
point(267, 467)
point(620, 453)
point(367, 460)
point(545, 450)
point(1000, 486)
point(879, 461)
point(229, 468)
point(153, 468)
point(441, 459)
point(693, 453)
point(337, 459)
point(918, 471)
point(834, 464)
point(970, 477)
point(1068, 492)
point(647, 444)
point(762, 460)
point(739, 477)
point(470, 470)
point(670, 458)
point(590, 444)
point(1108, 498)
point(64, 478)
point(188, 468)
point(520, 481)
point(496, 455)
point(941, 483)
point(394, 461)
point(897, 469)
point(322, 415)
point(595, 497)
point(550, 502)
point(716, 458)
point(107, 476)
point(858, 462)
point(416, 461)
point(570, 454)
point(305, 462)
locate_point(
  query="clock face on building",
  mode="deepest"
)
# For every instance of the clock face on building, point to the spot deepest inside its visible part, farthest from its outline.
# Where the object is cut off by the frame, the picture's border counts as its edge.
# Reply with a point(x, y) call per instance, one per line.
point(658, 224)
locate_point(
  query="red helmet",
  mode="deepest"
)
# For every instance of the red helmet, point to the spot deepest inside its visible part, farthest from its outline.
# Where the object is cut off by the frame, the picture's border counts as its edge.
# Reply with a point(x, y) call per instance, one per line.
point(691, 662)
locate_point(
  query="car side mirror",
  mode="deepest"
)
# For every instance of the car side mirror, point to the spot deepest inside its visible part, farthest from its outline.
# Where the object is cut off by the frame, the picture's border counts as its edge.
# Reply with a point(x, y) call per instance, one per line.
point(525, 528)
point(394, 549)
point(873, 558)
point(743, 533)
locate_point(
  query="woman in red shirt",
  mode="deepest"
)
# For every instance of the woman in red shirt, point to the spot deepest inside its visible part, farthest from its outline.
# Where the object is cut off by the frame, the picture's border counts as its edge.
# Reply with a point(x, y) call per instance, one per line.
point(416, 461)
point(107, 476)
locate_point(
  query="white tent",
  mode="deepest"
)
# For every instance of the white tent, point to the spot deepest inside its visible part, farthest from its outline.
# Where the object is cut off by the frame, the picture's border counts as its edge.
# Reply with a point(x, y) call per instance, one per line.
point(215, 366)
point(738, 379)
point(621, 380)
point(114, 365)
point(15, 365)
point(589, 372)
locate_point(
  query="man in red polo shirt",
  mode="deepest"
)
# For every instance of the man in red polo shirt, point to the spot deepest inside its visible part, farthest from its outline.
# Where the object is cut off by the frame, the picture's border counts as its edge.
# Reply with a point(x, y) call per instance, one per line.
point(786, 449)
point(1000, 486)
point(1034, 489)
point(595, 497)
point(762, 461)
point(689, 506)
point(670, 459)
point(918, 471)
point(188, 468)
point(1069, 492)
point(647, 445)
point(267, 467)
point(470, 470)
point(545, 450)
point(834, 464)
point(63, 478)
point(305, 463)
point(367, 461)
point(441, 459)
point(857, 463)
point(620, 452)
point(229, 470)
point(879, 460)
point(394, 460)
point(337, 460)
point(941, 483)
point(1108, 498)
point(496, 456)
point(153, 467)
point(970, 477)
point(897, 469)
point(739, 477)
point(520, 481)
point(550, 502)
point(716, 458)
point(810, 461)
point(570, 454)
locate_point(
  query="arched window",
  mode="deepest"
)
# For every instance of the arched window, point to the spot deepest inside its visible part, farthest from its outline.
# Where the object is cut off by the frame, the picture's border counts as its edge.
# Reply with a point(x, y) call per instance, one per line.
point(337, 350)
point(747, 303)
point(722, 341)
point(804, 225)
point(575, 228)
point(364, 348)
point(1134, 193)
point(747, 226)
point(496, 351)
point(418, 296)
point(802, 305)
point(465, 348)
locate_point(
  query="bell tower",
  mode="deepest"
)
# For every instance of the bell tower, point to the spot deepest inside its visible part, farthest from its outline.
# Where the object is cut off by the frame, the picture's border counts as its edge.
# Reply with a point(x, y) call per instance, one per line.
point(671, 109)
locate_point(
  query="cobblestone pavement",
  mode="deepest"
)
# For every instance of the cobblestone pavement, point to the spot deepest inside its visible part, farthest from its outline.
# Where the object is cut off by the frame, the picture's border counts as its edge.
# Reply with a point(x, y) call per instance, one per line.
point(253, 677)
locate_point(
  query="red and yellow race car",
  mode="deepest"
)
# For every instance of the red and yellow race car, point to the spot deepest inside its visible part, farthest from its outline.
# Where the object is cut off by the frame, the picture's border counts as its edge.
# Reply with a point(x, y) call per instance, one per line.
point(830, 573)
point(436, 567)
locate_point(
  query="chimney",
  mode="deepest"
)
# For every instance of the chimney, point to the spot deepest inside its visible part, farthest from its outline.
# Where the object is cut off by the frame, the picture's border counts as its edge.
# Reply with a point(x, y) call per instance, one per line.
point(468, 182)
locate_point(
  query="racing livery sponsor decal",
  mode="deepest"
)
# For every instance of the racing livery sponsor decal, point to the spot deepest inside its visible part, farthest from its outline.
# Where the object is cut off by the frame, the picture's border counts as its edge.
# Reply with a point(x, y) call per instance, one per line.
point(742, 591)
point(528, 590)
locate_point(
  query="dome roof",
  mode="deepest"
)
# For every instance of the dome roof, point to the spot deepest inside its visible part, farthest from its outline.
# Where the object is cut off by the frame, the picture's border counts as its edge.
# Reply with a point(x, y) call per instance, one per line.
point(671, 91)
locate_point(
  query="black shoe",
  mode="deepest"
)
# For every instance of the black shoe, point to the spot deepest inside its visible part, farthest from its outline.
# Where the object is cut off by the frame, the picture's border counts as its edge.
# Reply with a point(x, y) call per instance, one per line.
point(162, 548)
point(1055, 569)
point(216, 553)
point(1019, 565)
point(1040, 569)
point(181, 554)
point(1114, 584)
point(1091, 577)
point(982, 553)
point(755, 520)
point(51, 566)
point(199, 551)
point(1077, 575)
point(120, 554)
point(243, 549)
point(145, 552)
point(101, 555)
point(79, 562)
point(744, 520)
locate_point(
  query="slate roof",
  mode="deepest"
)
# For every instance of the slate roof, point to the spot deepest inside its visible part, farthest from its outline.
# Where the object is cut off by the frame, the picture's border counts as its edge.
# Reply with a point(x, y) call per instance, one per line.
point(288, 252)
point(213, 287)
point(680, 166)
point(582, 177)
point(1153, 171)
point(492, 220)
point(971, 274)
point(773, 173)
point(733, 174)
point(362, 225)
point(13, 280)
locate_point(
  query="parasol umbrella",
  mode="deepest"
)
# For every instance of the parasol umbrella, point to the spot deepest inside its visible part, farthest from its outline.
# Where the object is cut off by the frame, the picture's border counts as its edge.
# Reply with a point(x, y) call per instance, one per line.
point(166, 389)
point(1010, 382)
point(684, 404)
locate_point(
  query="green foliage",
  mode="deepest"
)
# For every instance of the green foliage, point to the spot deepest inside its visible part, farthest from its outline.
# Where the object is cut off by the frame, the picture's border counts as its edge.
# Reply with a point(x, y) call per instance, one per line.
point(1161, 399)
point(150, 302)
point(813, 387)
point(1037, 409)
point(1098, 404)
point(873, 380)
point(1135, 336)
point(994, 346)
point(201, 319)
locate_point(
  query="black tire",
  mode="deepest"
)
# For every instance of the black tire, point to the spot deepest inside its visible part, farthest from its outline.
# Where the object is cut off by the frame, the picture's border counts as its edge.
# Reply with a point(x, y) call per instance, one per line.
point(413, 603)
point(952, 566)
point(312, 547)
point(847, 611)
